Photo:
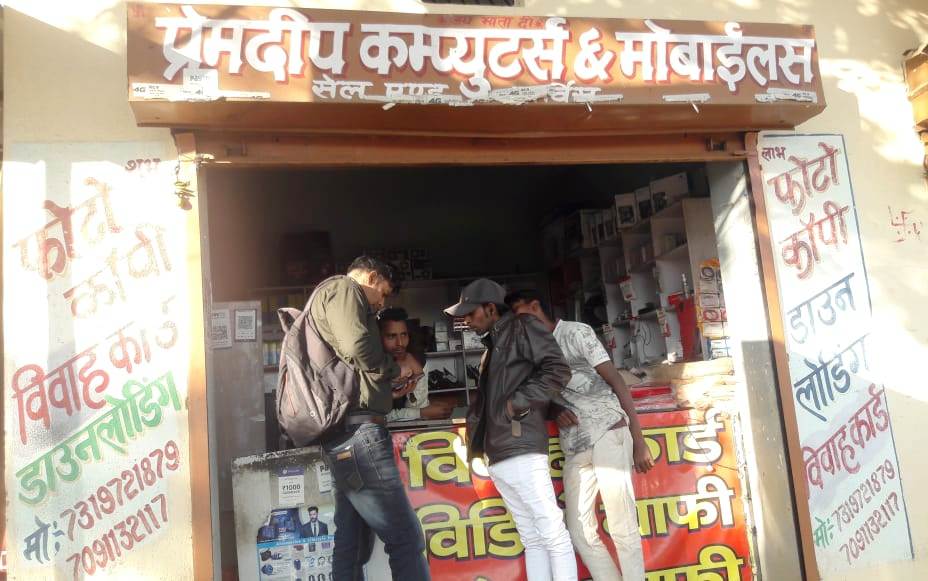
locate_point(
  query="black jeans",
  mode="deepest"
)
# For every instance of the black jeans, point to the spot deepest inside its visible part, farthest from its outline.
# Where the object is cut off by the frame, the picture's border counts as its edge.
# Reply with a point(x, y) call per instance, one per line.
point(370, 497)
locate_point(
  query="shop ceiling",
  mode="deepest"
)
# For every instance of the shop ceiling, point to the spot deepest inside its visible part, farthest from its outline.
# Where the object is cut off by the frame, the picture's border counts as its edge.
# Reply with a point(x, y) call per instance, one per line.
point(277, 71)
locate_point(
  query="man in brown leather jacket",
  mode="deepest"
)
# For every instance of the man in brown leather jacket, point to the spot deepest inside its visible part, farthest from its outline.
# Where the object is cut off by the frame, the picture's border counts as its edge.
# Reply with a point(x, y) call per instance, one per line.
point(521, 371)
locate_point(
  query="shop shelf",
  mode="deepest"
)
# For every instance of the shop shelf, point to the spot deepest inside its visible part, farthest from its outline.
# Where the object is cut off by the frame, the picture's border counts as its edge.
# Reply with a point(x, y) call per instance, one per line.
point(643, 267)
point(674, 210)
point(453, 389)
point(306, 288)
point(435, 282)
point(678, 253)
point(457, 353)
point(647, 316)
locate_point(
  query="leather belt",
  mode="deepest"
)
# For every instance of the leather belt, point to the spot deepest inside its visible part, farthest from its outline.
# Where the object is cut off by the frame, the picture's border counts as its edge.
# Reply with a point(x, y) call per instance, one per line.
point(357, 419)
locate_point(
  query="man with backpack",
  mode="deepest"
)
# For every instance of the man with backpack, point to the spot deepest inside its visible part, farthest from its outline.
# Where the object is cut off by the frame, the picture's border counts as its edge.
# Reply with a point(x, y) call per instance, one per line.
point(522, 370)
point(369, 495)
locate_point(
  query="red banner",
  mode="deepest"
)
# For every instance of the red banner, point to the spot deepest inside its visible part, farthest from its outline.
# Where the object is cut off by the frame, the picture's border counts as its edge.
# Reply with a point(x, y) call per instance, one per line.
point(690, 509)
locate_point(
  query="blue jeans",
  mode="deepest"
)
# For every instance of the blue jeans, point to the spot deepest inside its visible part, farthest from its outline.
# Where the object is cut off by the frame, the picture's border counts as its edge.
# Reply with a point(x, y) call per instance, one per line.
point(370, 497)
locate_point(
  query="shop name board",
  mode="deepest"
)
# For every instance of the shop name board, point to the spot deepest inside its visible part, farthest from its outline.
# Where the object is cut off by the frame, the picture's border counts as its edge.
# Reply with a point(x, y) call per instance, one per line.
point(187, 53)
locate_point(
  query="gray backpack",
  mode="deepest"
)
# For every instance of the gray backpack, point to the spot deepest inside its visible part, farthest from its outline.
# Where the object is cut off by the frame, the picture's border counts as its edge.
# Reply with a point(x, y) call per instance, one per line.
point(315, 389)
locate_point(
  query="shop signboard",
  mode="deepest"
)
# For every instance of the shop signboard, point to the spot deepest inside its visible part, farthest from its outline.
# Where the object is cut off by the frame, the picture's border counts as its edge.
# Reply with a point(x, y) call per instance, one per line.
point(853, 482)
point(180, 53)
point(690, 506)
point(96, 360)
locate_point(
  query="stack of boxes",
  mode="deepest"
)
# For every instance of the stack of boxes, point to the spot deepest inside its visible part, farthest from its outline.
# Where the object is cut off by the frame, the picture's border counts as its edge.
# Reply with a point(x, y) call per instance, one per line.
point(711, 315)
point(442, 338)
point(411, 264)
point(271, 322)
point(637, 206)
point(590, 227)
point(272, 353)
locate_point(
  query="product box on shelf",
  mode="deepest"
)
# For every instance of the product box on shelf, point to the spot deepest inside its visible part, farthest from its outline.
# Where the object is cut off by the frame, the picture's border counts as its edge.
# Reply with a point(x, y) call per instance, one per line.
point(472, 340)
point(588, 221)
point(626, 210)
point(644, 203)
point(647, 253)
point(609, 231)
point(719, 348)
point(579, 230)
point(411, 264)
point(627, 288)
point(666, 191)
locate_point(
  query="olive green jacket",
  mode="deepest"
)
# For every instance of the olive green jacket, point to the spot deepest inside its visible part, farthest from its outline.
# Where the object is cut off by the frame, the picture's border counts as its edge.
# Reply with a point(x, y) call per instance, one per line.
point(345, 321)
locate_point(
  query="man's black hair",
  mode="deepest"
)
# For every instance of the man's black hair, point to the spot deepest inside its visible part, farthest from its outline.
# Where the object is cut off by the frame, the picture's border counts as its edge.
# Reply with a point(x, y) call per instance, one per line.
point(527, 296)
point(397, 314)
point(385, 270)
point(502, 309)
point(313, 508)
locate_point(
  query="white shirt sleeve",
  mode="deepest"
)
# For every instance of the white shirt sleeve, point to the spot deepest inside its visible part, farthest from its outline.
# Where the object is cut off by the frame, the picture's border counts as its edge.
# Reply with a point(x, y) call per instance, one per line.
point(589, 345)
point(411, 411)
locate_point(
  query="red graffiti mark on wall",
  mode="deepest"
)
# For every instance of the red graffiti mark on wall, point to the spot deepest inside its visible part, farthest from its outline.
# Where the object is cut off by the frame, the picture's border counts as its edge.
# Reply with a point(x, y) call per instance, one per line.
point(907, 226)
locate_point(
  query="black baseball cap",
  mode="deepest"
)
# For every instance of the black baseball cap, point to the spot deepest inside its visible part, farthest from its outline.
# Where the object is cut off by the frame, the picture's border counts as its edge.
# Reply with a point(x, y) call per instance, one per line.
point(479, 292)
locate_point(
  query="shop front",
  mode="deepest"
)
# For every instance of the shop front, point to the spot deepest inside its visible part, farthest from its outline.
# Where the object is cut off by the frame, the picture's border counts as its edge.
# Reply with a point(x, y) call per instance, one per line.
point(643, 175)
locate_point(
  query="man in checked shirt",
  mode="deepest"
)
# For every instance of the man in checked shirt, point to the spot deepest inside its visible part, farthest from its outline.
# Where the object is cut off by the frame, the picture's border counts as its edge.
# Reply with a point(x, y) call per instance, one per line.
point(602, 441)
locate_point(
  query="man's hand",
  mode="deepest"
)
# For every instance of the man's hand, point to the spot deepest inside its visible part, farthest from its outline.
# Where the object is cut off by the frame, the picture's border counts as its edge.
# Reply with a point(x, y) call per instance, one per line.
point(405, 382)
point(413, 364)
point(566, 418)
point(408, 367)
point(642, 456)
point(405, 388)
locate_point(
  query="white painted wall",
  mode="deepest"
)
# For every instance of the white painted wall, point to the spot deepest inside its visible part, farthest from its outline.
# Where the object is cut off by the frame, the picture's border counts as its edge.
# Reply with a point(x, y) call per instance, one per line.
point(65, 81)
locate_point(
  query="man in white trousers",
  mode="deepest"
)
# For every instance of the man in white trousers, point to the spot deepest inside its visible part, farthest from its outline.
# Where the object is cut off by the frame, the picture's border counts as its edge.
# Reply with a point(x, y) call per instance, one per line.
point(602, 441)
point(521, 372)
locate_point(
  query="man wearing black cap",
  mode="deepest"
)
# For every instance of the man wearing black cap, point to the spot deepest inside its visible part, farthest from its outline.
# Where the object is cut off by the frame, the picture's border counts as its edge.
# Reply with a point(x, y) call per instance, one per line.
point(521, 371)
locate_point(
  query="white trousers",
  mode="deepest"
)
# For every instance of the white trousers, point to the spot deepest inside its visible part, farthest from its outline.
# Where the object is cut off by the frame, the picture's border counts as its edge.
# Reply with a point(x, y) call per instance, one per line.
point(606, 469)
point(524, 482)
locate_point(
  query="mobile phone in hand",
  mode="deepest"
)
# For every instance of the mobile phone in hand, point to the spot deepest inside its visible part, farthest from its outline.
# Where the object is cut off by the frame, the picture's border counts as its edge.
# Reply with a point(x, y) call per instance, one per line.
point(400, 382)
